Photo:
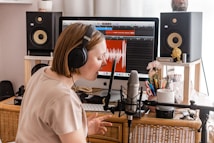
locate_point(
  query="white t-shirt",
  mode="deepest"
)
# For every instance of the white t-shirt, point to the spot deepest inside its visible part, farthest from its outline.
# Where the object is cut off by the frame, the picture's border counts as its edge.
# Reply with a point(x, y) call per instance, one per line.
point(49, 108)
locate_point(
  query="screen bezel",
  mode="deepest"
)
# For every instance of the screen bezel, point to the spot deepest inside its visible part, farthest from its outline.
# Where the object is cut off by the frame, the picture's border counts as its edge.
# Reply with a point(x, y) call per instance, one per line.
point(139, 19)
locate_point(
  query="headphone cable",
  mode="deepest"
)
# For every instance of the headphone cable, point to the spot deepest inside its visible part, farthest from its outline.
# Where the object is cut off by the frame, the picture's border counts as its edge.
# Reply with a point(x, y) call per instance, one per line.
point(74, 87)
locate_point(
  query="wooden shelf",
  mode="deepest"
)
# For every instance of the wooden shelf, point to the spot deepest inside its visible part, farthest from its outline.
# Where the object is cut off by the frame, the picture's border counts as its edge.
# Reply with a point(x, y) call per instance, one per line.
point(188, 70)
point(38, 58)
point(181, 64)
point(15, 1)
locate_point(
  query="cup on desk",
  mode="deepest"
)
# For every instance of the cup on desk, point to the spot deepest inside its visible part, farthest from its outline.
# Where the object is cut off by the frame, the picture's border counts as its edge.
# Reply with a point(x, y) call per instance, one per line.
point(165, 96)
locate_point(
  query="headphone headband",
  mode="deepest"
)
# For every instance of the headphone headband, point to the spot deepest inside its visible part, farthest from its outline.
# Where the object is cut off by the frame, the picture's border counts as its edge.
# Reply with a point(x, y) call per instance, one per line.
point(87, 36)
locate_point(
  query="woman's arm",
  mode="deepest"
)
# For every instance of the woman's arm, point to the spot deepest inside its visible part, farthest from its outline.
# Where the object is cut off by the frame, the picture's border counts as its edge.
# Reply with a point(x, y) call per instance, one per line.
point(73, 137)
point(97, 125)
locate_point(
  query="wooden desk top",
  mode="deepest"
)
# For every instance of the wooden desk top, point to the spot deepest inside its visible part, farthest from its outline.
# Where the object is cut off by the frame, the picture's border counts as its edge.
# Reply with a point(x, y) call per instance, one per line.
point(150, 118)
point(118, 133)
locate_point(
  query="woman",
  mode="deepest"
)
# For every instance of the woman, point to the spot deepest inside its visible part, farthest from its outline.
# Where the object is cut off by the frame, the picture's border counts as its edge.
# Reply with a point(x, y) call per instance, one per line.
point(51, 112)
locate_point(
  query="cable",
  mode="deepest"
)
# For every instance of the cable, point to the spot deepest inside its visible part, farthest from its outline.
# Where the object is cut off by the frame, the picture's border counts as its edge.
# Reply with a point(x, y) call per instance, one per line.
point(205, 77)
point(74, 87)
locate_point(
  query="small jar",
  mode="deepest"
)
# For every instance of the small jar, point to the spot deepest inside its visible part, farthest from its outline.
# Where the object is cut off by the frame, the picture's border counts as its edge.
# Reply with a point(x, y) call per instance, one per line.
point(45, 5)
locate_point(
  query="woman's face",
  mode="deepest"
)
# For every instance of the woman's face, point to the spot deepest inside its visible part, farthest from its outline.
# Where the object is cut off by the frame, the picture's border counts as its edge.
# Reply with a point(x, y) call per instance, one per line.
point(96, 59)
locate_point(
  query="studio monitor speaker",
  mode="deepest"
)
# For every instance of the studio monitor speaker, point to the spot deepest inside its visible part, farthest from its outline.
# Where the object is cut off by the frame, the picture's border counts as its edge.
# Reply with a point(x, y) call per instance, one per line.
point(42, 32)
point(182, 30)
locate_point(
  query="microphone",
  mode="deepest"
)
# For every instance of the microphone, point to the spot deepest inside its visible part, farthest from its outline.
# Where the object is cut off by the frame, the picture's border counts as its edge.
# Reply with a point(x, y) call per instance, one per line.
point(131, 101)
point(132, 94)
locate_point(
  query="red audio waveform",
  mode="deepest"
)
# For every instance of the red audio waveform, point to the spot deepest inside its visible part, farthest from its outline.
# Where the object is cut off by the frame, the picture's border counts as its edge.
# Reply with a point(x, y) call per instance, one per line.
point(120, 32)
point(116, 49)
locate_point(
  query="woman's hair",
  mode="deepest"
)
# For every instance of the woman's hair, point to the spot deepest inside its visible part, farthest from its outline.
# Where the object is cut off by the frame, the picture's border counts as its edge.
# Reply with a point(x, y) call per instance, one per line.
point(70, 38)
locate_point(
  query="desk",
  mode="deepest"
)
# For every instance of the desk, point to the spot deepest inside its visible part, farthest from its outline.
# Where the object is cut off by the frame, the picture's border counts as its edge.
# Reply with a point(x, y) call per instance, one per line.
point(118, 133)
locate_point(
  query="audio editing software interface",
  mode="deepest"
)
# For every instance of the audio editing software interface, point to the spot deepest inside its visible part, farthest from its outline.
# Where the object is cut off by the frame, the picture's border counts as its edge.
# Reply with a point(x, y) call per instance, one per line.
point(132, 42)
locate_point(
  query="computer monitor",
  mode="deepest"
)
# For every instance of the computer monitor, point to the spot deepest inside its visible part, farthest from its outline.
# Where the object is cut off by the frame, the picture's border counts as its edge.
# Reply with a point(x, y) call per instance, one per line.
point(133, 40)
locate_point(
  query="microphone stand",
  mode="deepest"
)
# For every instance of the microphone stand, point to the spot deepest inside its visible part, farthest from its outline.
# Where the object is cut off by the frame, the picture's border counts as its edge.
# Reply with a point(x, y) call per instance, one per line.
point(136, 114)
point(139, 114)
point(120, 104)
point(121, 107)
point(203, 115)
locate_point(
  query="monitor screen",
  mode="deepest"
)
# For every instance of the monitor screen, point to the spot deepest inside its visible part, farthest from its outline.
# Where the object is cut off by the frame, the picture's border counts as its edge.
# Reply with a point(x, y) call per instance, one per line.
point(132, 40)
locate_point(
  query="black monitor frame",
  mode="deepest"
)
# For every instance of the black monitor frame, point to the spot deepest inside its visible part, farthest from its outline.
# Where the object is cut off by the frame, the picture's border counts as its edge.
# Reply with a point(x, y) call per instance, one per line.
point(137, 19)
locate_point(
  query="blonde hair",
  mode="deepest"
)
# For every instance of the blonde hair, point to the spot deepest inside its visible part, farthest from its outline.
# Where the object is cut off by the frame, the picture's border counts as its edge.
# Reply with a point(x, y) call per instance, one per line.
point(70, 38)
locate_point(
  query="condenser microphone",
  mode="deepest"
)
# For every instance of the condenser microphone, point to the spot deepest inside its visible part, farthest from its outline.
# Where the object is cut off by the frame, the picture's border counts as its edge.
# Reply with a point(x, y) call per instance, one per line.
point(132, 94)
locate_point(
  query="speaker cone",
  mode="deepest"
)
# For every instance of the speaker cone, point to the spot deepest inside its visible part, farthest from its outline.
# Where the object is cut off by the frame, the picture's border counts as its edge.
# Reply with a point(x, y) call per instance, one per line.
point(174, 40)
point(40, 37)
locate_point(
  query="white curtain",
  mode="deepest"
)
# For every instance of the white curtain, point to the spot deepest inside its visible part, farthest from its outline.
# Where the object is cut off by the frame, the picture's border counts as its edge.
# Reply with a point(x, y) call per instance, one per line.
point(122, 8)
point(78, 8)
point(106, 7)
point(131, 8)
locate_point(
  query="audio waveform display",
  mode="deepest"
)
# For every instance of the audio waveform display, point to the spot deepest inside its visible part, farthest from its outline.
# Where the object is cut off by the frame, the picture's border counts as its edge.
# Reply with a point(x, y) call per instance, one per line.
point(116, 49)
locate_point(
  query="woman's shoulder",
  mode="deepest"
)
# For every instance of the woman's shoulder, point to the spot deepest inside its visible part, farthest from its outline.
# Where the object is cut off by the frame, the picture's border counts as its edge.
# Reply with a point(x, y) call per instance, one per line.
point(60, 93)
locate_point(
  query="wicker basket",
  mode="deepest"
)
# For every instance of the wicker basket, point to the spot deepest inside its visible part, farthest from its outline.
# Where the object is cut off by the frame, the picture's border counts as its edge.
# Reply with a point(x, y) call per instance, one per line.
point(9, 115)
point(163, 134)
point(158, 130)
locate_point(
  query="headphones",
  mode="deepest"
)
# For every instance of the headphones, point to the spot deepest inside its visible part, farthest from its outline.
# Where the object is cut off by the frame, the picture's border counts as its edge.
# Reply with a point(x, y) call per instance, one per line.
point(78, 56)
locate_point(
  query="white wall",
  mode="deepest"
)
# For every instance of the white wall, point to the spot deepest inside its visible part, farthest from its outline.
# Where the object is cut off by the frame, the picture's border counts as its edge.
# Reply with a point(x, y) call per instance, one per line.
point(13, 40)
point(13, 28)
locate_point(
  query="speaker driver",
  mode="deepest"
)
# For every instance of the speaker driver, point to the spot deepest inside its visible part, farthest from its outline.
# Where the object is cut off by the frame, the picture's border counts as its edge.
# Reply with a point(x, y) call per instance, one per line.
point(40, 37)
point(39, 20)
point(174, 40)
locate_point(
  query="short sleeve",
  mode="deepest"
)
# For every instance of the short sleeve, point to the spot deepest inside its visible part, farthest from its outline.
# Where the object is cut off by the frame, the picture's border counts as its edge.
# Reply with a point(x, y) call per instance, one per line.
point(64, 114)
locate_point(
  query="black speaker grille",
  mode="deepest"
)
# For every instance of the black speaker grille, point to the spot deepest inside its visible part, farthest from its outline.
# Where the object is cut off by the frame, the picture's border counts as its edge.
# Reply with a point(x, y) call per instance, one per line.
point(187, 25)
point(42, 32)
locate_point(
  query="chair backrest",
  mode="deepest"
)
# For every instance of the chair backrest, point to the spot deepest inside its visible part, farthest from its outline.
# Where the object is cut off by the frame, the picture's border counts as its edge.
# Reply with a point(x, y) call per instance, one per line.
point(6, 89)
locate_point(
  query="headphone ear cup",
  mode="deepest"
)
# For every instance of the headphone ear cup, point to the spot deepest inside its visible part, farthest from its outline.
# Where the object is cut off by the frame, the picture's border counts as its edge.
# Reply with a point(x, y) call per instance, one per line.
point(77, 57)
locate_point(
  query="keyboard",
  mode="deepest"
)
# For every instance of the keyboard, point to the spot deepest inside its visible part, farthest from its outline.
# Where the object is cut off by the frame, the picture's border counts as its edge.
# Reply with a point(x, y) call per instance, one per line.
point(93, 107)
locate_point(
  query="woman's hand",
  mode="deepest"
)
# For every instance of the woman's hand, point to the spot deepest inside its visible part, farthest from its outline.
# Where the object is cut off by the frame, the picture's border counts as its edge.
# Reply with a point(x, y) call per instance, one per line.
point(97, 125)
